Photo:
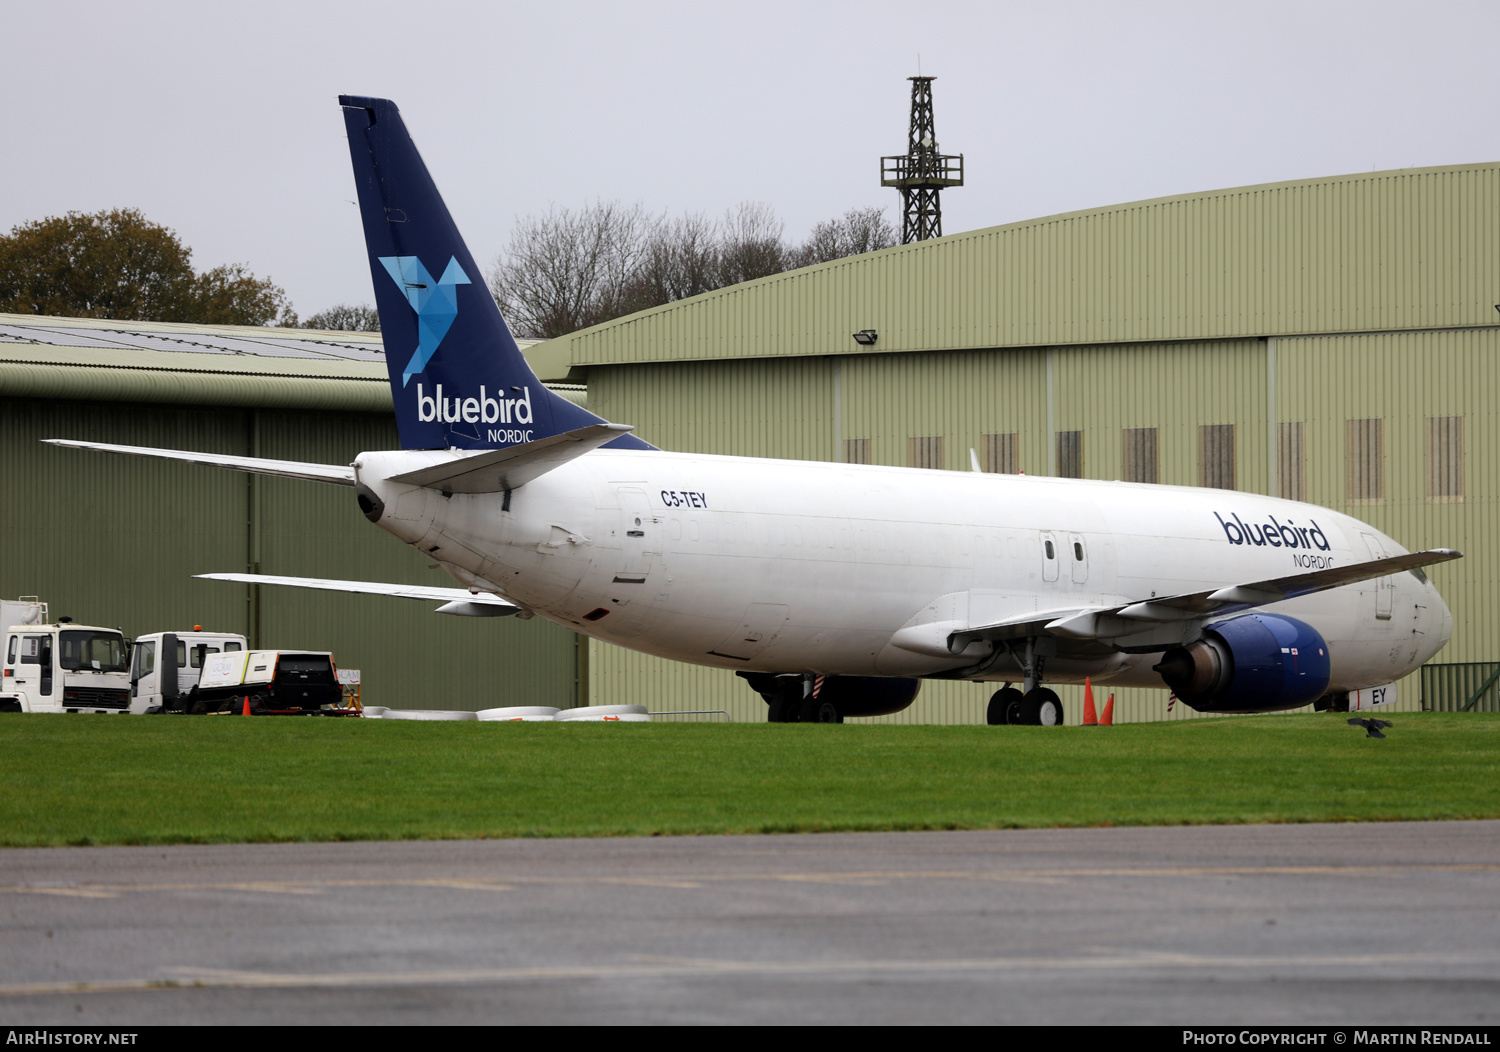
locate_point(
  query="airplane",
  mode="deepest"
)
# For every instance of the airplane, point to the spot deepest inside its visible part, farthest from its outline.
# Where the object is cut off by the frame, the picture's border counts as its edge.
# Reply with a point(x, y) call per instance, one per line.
point(833, 589)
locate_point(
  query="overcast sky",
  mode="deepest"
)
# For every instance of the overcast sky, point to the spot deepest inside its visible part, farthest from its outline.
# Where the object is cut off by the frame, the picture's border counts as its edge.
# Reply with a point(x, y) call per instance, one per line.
point(222, 122)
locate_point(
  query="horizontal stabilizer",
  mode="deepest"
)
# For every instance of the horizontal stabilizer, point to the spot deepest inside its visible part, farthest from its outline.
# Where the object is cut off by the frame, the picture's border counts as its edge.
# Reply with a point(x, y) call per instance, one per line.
point(455, 600)
point(497, 470)
point(339, 475)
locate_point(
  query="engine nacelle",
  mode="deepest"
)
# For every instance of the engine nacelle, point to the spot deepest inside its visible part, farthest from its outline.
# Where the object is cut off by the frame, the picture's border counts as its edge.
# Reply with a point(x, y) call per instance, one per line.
point(1251, 663)
point(869, 695)
point(851, 695)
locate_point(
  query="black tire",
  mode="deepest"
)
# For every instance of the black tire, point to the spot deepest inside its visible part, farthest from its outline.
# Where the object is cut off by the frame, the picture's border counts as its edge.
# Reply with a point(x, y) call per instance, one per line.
point(1042, 707)
point(828, 713)
point(782, 711)
point(1001, 701)
point(1050, 709)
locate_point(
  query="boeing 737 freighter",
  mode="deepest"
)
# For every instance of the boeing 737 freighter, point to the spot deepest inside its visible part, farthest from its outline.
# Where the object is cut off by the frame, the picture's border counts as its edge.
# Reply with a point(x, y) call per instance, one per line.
point(835, 589)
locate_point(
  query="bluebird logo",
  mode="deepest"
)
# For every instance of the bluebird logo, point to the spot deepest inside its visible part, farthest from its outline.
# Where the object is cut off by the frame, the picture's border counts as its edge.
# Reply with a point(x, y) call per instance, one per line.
point(1273, 532)
point(436, 304)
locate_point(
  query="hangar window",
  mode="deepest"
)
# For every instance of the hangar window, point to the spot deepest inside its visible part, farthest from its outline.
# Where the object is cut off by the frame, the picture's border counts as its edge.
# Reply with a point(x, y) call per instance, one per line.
point(856, 451)
point(1291, 461)
point(1445, 458)
point(1139, 448)
point(1364, 443)
point(925, 452)
point(1002, 453)
point(1070, 454)
point(1216, 456)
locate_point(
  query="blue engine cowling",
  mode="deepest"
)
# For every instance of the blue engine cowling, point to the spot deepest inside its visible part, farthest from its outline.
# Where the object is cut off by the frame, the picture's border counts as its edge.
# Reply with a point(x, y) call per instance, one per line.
point(1251, 663)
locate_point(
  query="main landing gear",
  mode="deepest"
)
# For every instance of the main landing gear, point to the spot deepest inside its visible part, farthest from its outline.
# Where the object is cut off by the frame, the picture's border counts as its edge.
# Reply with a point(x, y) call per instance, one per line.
point(792, 699)
point(1038, 706)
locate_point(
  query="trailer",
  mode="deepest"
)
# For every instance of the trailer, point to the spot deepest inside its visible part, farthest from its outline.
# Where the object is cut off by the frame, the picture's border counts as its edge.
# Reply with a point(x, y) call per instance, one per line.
point(270, 682)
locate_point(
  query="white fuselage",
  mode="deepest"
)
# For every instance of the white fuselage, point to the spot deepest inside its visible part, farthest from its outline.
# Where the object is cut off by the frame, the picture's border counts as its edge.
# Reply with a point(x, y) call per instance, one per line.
point(796, 566)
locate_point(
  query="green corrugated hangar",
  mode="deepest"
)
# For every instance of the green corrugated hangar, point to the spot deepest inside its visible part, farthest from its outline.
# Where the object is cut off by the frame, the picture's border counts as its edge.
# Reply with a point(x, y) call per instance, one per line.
point(1331, 340)
point(116, 540)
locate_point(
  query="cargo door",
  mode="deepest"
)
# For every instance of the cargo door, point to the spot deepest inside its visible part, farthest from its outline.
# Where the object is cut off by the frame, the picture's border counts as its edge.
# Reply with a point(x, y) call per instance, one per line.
point(1385, 587)
point(640, 542)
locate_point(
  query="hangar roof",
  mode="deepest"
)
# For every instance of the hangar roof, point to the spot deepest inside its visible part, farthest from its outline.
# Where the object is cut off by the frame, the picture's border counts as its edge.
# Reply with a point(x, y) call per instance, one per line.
point(136, 361)
point(1377, 251)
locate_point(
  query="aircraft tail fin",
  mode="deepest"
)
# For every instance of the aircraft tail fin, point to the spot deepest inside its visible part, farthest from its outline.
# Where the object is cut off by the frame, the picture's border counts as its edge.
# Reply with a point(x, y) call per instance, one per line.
point(458, 378)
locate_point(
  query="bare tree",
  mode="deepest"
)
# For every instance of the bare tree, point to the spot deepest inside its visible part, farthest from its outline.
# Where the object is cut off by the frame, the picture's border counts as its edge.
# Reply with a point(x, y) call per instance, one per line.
point(681, 260)
point(568, 270)
point(858, 230)
point(750, 244)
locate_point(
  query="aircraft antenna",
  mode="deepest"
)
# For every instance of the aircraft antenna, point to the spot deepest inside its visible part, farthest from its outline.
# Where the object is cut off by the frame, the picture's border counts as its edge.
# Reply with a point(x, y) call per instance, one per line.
point(922, 171)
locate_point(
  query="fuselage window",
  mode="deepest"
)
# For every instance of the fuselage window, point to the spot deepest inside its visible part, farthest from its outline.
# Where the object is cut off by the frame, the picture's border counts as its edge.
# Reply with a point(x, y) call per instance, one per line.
point(1078, 551)
point(1051, 553)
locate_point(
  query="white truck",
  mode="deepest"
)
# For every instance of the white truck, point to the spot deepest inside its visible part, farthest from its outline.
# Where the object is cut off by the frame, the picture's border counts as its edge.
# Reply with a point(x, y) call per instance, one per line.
point(167, 666)
point(199, 672)
point(60, 666)
point(64, 667)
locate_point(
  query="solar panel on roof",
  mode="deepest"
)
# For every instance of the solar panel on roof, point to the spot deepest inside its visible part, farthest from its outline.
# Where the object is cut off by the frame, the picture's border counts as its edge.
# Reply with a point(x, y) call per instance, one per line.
point(356, 351)
point(54, 337)
point(190, 341)
point(145, 340)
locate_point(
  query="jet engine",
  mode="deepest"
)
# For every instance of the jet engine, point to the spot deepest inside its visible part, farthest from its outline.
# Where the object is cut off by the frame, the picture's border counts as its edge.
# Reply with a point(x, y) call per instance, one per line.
point(1251, 663)
point(869, 695)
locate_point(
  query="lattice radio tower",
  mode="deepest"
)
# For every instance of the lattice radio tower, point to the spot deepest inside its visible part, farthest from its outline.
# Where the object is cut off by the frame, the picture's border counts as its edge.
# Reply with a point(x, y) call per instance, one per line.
point(921, 172)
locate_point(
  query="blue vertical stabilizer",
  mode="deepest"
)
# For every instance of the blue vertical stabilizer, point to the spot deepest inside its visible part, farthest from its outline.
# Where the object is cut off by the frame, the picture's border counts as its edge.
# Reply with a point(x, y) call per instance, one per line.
point(457, 376)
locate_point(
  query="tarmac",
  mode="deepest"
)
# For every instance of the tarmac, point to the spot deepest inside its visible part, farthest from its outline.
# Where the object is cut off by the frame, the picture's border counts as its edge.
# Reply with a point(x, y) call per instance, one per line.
point(1358, 924)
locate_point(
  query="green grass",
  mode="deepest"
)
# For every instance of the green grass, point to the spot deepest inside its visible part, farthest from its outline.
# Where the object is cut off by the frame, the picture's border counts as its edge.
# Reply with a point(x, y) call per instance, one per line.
point(158, 780)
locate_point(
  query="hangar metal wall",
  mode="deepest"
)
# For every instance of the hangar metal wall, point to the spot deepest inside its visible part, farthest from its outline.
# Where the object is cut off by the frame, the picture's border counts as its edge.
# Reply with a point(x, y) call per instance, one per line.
point(1393, 250)
point(115, 540)
point(807, 408)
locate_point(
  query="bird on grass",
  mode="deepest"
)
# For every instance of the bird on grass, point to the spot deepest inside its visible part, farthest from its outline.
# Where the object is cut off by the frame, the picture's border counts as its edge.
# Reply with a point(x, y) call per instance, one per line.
point(1372, 727)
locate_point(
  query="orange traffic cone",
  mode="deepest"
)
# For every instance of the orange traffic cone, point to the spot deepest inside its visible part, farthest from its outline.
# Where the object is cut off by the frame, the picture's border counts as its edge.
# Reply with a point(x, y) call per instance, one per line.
point(1108, 719)
point(1090, 717)
point(246, 712)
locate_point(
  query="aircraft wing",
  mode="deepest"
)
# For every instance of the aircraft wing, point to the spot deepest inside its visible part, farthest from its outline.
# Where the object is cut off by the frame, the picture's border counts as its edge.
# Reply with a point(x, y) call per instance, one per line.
point(1138, 618)
point(459, 601)
point(497, 470)
point(339, 475)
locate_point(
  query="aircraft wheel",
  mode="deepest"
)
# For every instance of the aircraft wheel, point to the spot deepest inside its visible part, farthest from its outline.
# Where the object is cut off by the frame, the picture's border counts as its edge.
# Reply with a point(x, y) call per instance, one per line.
point(783, 711)
point(1000, 706)
point(829, 713)
point(1042, 708)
